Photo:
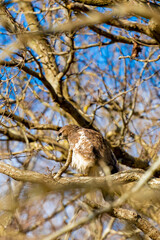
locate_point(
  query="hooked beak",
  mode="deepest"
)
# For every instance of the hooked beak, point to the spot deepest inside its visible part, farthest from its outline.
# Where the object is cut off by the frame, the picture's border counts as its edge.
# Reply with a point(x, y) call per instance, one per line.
point(58, 139)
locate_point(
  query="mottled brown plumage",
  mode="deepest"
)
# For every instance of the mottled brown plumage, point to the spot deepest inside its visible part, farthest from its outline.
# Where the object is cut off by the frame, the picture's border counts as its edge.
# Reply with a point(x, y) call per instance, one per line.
point(89, 150)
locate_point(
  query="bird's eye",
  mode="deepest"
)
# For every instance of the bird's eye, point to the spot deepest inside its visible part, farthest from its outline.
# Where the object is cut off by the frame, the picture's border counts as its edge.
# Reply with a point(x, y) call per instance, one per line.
point(60, 134)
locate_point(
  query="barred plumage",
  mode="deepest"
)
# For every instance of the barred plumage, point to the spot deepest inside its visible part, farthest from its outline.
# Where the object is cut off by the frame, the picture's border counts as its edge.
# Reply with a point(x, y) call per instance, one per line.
point(89, 150)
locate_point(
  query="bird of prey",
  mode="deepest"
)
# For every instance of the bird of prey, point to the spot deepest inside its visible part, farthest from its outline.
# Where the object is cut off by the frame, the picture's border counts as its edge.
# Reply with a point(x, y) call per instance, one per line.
point(90, 151)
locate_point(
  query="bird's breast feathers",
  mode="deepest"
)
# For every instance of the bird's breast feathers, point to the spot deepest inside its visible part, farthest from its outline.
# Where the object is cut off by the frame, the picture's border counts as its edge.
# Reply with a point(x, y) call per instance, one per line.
point(82, 156)
point(80, 163)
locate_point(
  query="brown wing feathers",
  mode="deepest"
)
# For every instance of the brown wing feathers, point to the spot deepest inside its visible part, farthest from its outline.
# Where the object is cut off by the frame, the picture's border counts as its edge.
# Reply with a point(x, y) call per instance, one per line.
point(89, 148)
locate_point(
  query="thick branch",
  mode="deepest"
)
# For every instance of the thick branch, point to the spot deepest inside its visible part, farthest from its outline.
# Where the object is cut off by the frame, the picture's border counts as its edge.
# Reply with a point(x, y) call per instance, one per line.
point(41, 46)
point(115, 2)
point(113, 183)
point(65, 183)
point(75, 182)
point(130, 161)
point(138, 221)
point(120, 23)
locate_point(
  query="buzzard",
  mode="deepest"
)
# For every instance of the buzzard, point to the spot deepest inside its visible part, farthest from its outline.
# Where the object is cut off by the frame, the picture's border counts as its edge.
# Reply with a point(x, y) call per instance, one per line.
point(90, 151)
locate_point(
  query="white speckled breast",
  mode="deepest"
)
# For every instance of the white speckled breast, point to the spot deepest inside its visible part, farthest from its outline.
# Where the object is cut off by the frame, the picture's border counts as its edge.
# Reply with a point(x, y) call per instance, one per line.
point(80, 164)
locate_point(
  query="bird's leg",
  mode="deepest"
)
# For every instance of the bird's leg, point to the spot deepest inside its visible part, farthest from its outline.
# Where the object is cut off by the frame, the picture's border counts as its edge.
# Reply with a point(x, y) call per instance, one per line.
point(66, 165)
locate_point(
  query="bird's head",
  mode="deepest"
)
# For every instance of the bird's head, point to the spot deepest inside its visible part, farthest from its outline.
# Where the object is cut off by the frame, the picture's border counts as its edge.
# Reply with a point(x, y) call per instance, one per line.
point(65, 131)
point(62, 134)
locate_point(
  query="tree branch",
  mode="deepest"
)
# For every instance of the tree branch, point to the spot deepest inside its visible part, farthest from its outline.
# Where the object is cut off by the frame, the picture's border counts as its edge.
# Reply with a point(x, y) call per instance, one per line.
point(113, 183)
point(27, 123)
point(138, 221)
